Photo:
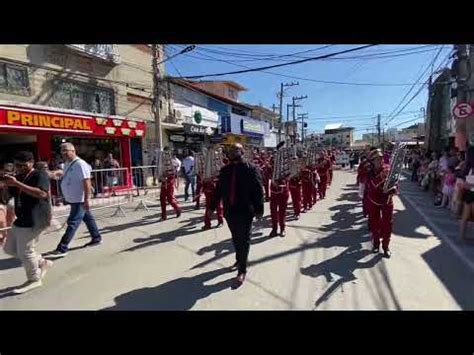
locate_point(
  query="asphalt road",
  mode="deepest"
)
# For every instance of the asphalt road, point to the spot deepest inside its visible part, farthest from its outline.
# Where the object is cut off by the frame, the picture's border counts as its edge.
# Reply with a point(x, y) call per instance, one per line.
point(323, 263)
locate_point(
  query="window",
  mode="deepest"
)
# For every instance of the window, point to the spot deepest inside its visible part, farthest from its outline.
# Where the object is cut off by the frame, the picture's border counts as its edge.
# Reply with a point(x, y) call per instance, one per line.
point(78, 96)
point(231, 93)
point(14, 79)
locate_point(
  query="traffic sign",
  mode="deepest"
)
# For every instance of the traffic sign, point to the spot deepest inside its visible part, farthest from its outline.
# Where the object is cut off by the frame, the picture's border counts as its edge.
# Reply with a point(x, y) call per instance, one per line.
point(462, 110)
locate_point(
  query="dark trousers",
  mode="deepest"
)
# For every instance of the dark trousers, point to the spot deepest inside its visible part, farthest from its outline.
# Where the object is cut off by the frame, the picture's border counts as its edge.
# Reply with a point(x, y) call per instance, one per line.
point(240, 225)
point(78, 214)
point(190, 180)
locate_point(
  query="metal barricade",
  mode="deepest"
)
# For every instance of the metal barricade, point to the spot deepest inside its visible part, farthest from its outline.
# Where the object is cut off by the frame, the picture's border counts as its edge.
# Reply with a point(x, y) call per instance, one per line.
point(145, 183)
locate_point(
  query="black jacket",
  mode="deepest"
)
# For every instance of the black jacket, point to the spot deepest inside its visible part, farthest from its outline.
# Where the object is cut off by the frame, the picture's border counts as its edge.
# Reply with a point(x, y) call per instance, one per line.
point(248, 190)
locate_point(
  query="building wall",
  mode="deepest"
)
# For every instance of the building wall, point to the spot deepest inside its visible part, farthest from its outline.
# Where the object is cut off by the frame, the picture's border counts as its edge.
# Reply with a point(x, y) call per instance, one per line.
point(220, 88)
point(134, 68)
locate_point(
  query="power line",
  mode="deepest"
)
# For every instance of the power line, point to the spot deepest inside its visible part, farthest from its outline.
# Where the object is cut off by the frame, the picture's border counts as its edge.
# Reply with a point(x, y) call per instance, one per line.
point(413, 86)
point(281, 65)
point(302, 78)
point(417, 93)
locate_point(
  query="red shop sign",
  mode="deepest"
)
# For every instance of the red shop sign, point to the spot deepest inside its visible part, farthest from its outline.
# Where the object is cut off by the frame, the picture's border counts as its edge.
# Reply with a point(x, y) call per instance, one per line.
point(42, 120)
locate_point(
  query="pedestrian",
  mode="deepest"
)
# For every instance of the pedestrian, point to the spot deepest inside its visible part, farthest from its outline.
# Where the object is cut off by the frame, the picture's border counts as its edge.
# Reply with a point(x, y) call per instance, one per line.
point(30, 189)
point(188, 165)
point(113, 176)
point(97, 177)
point(279, 195)
point(379, 203)
point(240, 188)
point(76, 188)
point(468, 196)
point(449, 181)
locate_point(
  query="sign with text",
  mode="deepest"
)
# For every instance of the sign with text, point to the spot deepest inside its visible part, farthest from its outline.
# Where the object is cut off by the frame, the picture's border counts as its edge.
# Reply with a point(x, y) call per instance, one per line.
point(252, 127)
point(42, 120)
point(462, 110)
point(194, 129)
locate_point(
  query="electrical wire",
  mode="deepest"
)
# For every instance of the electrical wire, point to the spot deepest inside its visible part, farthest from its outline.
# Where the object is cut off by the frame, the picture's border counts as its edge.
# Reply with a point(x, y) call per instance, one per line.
point(308, 79)
point(279, 65)
point(413, 86)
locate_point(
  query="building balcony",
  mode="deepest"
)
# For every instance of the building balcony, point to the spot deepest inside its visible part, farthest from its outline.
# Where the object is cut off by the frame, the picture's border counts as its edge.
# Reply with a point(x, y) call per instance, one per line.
point(107, 52)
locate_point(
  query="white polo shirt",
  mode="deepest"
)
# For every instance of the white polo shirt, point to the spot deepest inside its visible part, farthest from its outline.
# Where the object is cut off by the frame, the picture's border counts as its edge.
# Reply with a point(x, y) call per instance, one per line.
point(72, 182)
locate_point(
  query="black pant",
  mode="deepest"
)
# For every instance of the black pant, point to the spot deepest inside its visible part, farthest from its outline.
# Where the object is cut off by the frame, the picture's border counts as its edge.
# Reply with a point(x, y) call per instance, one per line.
point(240, 225)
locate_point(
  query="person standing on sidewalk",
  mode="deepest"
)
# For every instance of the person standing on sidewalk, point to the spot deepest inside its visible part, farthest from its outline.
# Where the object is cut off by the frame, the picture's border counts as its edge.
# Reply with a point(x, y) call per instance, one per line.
point(30, 189)
point(188, 165)
point(76, 187)
point(295, 190)
point(240, 188)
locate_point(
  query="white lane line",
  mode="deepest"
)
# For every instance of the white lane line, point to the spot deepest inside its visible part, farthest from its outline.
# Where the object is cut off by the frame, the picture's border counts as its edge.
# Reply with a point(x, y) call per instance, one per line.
point(439, 232)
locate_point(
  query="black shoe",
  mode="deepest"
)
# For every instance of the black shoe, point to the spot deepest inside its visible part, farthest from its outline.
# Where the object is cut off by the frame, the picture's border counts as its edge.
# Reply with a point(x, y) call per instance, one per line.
point(283, 234)
point(220, 225)
point(57, 254)
point(178, 214)
point(239, 280)
point(92, 243)
point(205, 228)
point(234, 267)
point(387, 254)
point(375, 250)
point(297, 218)
point(273, 233)
point(196, 207)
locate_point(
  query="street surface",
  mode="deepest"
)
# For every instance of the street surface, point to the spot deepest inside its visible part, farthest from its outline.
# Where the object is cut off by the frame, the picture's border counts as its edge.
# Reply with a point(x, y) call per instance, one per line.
point(323, 263)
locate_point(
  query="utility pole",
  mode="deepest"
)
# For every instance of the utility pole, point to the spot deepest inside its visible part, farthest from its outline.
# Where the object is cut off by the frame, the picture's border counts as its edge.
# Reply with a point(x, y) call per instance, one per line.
point(463, 75)
point(378, 129)
point(302, 116)
point(156, 96)
point(280, 95)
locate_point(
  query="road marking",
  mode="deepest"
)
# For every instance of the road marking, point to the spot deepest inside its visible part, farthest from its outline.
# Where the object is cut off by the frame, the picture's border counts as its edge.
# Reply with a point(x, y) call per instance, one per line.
point(456, 249)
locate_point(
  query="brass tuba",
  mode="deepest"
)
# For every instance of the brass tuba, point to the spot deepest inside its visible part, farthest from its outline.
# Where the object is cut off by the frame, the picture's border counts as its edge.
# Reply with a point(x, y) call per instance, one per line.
point(396, 166)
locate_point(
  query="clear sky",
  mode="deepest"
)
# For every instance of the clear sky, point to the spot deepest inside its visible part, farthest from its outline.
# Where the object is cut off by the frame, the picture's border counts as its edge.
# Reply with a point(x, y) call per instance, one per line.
point(382, 67)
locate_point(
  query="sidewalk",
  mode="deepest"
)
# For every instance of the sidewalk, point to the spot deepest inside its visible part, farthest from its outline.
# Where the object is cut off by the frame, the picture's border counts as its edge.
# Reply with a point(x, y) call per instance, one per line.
point(441, 220)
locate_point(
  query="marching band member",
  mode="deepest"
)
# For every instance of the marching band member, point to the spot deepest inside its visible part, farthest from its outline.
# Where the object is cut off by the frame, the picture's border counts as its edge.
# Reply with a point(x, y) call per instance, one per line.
point(209, 188)
point(323, 172)
point(295, 190)
point(279, 195)
point(167, 195)
point(306, 184)
point(314, 185)
point(380, 203)
point(267, 175)
point(332, 161)
point(362, 173)
point(199, 188)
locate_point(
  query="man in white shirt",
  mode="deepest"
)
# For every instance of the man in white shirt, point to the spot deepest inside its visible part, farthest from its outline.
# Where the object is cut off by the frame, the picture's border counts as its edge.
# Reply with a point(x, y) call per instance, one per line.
point(76, 188)
point(176, 163)
point(188, 165)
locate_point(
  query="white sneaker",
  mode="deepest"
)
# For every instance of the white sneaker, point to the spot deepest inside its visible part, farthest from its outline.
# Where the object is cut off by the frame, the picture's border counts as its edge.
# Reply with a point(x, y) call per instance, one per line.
point(28, 286)
point(45, 267)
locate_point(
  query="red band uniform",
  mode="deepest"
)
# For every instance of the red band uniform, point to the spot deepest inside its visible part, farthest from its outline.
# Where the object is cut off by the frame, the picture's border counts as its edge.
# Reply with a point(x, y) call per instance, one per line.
point(209, 188)
point(306, 183)
point(267, 175)
point(295, 190)
point(314, 188)
point(323, 171)
point(167, 195)
point(279, 195)
point(380, 207)
point(199, 188)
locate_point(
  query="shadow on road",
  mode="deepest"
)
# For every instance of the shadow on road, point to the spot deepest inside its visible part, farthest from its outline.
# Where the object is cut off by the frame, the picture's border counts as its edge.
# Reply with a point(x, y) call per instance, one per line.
point(453, 274)
point(11, 263)
point(180, 294)
point(343, 265)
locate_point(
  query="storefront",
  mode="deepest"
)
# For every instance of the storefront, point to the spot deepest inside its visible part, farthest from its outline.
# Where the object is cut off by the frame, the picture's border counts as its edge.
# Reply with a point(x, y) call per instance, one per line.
point(42, 130)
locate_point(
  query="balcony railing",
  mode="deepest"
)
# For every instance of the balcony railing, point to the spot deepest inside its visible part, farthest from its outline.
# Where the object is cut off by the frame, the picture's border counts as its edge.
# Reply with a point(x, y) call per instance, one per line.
point(108, 52)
